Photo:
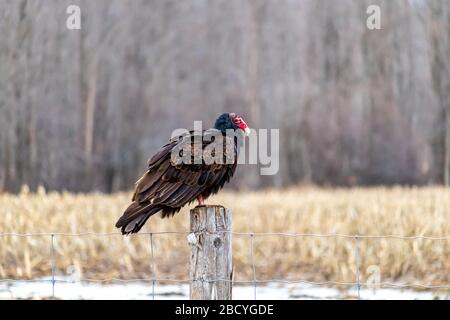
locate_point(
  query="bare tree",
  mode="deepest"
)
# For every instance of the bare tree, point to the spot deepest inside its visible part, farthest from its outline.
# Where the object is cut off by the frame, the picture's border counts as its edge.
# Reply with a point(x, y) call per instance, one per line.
point(83, 109)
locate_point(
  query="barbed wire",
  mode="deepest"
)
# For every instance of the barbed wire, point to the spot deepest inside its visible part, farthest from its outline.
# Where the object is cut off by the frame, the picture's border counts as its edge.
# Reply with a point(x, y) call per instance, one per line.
point(253, 265)
point(265, 281)
point(358, 285)
point(254, 281)
point(256, 234)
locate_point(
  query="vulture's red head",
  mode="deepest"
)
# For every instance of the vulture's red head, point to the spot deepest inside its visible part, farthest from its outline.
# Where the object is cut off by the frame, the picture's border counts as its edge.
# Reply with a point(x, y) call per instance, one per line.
point(232, 121)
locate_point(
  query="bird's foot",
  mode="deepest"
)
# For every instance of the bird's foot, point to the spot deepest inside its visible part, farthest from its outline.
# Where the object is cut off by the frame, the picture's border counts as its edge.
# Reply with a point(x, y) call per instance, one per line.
point(201, 201)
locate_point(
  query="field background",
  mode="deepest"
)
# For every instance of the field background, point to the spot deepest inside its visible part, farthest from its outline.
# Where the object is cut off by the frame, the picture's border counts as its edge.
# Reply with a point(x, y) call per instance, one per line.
point(363, 211)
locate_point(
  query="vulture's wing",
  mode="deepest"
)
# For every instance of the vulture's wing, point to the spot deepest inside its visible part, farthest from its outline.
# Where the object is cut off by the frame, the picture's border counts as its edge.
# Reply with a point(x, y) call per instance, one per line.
point(170, 183)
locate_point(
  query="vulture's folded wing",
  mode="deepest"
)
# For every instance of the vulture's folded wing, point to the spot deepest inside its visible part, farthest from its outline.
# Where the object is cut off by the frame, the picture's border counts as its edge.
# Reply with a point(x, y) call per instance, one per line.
point(192, 165)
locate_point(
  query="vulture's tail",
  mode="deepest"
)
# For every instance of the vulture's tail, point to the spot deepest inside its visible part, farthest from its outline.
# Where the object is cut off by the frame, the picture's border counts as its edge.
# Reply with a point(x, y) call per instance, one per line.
point(135, 216)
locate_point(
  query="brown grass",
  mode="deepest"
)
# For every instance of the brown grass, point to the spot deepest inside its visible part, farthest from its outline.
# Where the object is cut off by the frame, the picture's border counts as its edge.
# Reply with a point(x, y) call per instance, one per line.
point(365, 211)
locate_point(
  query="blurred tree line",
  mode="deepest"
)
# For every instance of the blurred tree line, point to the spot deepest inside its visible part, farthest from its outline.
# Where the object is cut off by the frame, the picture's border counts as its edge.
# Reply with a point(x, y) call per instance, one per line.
point(83, 109)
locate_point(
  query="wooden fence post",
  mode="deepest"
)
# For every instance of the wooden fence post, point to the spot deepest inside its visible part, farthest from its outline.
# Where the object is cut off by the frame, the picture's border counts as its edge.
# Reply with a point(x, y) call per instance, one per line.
point(211, 258)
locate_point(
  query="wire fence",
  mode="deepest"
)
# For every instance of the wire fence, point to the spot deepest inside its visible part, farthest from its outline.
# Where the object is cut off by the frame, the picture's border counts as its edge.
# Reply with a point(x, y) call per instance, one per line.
point(357, 284)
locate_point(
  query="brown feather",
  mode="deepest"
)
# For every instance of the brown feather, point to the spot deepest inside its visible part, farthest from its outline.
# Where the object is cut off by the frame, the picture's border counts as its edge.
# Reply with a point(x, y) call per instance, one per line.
point(166, 187)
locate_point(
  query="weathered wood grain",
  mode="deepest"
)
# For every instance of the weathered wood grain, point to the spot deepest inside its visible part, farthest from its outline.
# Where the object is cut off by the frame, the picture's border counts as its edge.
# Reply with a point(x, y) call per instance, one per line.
point(211, 256)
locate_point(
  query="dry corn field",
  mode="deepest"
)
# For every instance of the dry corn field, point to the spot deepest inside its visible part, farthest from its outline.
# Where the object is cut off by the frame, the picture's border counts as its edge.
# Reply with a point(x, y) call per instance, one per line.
point(363, 211)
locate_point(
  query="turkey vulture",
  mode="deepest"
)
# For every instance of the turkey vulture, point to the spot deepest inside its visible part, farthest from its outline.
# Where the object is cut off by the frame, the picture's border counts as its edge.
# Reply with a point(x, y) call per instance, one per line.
point(192, 166)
